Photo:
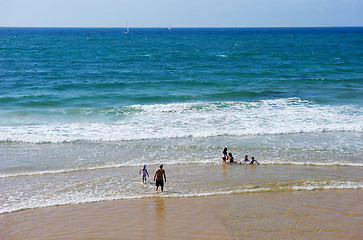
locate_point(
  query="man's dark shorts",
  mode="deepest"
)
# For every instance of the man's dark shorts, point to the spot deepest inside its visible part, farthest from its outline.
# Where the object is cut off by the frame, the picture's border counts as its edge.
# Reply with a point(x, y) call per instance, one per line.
point(160, 183)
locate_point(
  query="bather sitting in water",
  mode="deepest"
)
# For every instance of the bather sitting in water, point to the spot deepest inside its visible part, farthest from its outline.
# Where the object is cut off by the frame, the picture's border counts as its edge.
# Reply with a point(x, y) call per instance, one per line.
point(230, 158)
point(253, 161)
point(246, 160)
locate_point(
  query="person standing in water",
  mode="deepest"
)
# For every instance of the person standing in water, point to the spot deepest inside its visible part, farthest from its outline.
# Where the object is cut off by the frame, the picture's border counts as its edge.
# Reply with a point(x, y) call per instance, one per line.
point(143, 173)
point(158, 178)
point(224, 155)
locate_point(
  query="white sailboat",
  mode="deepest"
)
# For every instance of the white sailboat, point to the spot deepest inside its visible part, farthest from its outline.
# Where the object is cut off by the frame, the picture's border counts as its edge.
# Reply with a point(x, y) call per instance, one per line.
point(127, 29)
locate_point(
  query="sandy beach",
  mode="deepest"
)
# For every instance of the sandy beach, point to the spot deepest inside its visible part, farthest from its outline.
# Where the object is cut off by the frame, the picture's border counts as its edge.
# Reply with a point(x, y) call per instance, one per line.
point(320, 214)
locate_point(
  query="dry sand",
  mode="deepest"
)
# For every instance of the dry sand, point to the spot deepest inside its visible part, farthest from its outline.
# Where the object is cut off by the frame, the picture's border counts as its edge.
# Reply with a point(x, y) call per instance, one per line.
point(323, 214)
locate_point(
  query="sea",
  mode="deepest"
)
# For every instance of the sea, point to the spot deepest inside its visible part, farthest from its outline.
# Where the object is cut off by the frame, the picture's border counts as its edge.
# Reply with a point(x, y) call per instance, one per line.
point(83, 109)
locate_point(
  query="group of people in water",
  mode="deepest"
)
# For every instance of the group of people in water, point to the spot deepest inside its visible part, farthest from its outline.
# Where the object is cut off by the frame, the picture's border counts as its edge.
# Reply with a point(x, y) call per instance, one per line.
point(228, 157)
point(160, 177)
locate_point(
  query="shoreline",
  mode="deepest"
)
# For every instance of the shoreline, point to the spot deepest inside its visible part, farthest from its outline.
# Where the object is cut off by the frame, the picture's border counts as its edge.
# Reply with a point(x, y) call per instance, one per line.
point(323, 214)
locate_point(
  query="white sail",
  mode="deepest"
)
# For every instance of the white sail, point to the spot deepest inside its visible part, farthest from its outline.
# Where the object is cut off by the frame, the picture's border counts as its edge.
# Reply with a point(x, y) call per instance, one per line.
point(127, 28)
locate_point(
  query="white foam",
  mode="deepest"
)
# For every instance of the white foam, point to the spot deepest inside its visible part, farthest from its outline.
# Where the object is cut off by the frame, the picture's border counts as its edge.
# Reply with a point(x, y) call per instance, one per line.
point(180, 120)
point(327, 185)
point(33, 173)
point(175, 162)
point(69, 199)
point(327, 164)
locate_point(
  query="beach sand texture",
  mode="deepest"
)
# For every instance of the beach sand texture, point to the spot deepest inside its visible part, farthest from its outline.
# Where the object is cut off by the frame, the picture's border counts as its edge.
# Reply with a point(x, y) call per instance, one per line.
point(320, 214)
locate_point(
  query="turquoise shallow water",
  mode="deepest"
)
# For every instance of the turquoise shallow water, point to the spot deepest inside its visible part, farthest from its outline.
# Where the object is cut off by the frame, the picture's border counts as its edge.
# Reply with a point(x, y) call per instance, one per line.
point(77, 104)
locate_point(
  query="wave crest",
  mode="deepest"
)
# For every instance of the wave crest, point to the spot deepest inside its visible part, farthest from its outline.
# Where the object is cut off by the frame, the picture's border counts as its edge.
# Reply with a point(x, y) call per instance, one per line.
point(180, 120)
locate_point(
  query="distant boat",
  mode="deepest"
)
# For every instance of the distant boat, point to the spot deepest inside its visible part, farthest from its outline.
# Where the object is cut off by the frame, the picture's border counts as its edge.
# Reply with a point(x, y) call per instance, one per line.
point(169, 28)
point(127, 29)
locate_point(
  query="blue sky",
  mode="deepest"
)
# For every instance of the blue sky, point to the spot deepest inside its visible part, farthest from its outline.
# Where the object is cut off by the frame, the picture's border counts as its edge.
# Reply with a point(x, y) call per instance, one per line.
point(182, 13)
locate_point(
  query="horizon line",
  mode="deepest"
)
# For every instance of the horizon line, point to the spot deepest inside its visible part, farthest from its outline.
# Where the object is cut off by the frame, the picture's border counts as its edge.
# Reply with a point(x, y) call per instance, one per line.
point(182, 27)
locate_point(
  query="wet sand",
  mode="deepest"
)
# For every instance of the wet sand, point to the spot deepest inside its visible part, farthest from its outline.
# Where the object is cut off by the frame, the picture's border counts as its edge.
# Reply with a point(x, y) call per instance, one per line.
point(321, 214)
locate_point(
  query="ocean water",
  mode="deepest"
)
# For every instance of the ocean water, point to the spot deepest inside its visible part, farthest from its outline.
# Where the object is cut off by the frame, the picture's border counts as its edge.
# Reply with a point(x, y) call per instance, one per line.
point(82, 109)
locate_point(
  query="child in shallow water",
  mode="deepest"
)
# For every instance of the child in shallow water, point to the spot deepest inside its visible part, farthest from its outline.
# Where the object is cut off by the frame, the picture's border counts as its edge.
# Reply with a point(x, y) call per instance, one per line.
point(253, 161)
point(246, 160)
point(224, 155)
point(230, 158)
point(143, 172)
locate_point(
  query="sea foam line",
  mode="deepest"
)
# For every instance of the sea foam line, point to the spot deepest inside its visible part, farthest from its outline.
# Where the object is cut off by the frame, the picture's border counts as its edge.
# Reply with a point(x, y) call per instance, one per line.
point(46, 172)
point(216, 162)
point(327, 164)
point(109, 166)
point(307, 187)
